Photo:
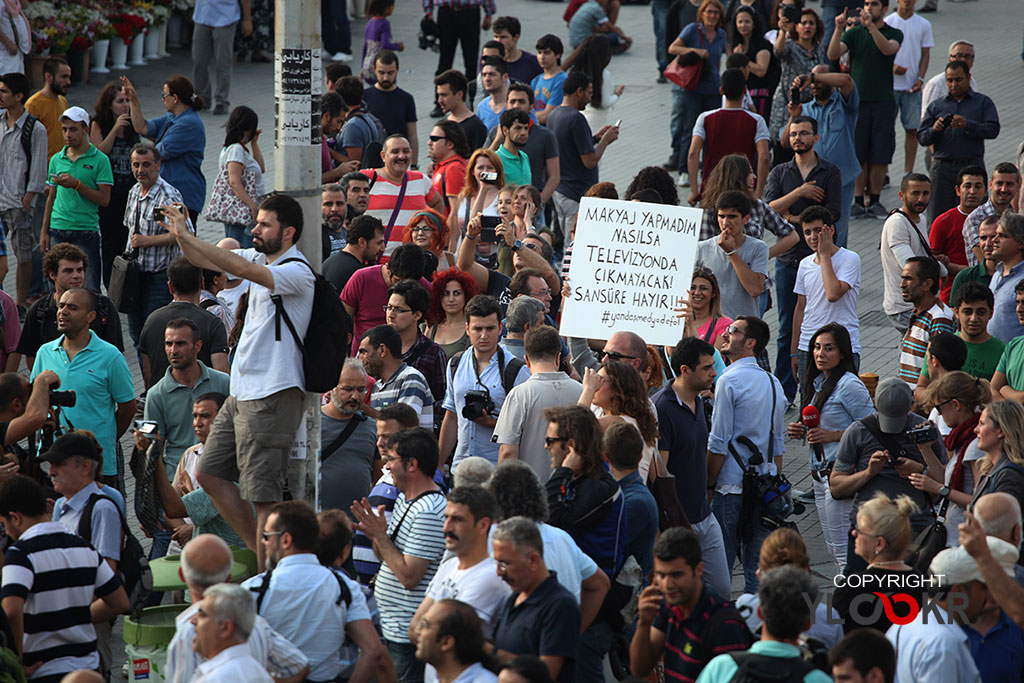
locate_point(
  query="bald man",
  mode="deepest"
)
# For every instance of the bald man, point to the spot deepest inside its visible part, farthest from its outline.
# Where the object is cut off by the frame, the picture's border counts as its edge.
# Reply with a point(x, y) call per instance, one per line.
point(206, 561)
point(1000, 516)
point(628, 347)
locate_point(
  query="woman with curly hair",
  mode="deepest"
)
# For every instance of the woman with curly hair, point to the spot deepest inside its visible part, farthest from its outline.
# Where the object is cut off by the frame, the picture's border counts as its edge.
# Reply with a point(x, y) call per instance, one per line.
point(617, 393)
point(429, 231)
point(446, 316)
point(654, 178)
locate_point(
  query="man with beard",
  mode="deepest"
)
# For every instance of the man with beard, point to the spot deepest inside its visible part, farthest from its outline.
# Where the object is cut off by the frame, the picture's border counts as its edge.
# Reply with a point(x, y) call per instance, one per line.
point(256, 432)
point(452, 641)
point(919, 286)
point(541, 617)
point(395, 108)
point(308, 603)
point(380, 350)
point(95, 370)
point(902, 239)
point(470, 575)
point(515, 129)
point(1003, 187)
point(541, 146)
point(50, 102)
point(334, 210)
point(347, 437)
point(364, 245)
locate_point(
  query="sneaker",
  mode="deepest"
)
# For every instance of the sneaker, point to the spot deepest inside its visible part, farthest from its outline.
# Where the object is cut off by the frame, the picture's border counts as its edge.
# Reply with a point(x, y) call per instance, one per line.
point(858, 210)
point(341, 57)
point(805, 496)
point(436, 112)
point(220, 109)
point(684, 180)
point(876, 210)
point(672, 164)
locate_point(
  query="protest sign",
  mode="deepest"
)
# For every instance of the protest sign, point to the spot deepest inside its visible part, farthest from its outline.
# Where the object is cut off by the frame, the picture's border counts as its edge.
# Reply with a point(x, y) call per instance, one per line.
point(631, 261)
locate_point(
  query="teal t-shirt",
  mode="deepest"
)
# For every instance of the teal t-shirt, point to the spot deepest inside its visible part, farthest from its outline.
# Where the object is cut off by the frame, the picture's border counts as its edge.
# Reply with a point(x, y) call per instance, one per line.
point(72, 211)
point(870, 69)
point(517, 168)
point(723, 667)
point(1012, 363)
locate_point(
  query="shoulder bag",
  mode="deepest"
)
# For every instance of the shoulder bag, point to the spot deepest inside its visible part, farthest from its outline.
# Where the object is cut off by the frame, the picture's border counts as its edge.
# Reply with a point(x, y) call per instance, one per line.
point(686, 70)
point(125, 288)
point(225, 206)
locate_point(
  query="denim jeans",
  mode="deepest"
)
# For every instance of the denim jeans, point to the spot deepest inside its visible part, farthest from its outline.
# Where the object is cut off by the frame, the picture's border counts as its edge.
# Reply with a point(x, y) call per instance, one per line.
point(89, 242)
point(155, 294)
point(834, 516)
point(410, 669)
point(785, 280)
point(726, 509)
point(336, 29)
point(595, 643)
point(686, 107)
point(659, 11)
point(242, 233)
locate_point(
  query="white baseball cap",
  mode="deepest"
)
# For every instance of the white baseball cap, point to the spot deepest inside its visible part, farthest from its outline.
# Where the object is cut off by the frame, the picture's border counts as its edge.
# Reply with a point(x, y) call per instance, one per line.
point(76, 114)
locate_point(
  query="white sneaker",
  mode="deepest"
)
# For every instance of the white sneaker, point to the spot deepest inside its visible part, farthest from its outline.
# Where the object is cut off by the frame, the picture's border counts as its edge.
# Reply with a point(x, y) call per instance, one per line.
point(341, 57)
point(684, 180)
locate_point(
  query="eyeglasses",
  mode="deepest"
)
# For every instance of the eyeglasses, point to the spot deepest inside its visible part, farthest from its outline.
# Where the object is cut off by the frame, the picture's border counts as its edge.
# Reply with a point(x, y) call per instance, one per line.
point(732, 329)
point(267, 534)
point(542, 292)
point(858, 532)
point(549, 440)
point(613, 356)
point(164, 95)
point(531, 245)
point(389, 460)
point(422, 227)
point(387, 308)
point(963, 56)
point(938, 406)
point(435, 138)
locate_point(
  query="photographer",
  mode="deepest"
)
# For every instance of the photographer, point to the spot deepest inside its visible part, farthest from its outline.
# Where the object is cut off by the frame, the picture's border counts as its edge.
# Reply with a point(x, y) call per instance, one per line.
point(479, 378)
point(24, 406)
point(879, 453)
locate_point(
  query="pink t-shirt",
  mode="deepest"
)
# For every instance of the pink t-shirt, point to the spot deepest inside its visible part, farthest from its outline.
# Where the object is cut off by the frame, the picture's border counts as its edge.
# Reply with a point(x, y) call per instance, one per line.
point(367, 293)
point(720, 325)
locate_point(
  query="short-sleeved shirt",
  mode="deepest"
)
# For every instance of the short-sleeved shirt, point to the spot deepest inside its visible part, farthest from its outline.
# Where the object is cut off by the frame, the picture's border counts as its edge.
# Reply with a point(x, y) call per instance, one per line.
point(488, 116)
point(395, 108)
point(264, 365)
point(837, 122)
point(449, 176)
point(1004, 323)
point(417, 527)
point(818, 310)
point(48, 110)
point(729, 131)
point(384, 196)
point(1011, 363)
point(238, 153)
point(724, 667)
point(587, 18)
point(545, 624)
point(99, 375)
point(105, 523)
point(923, 326)
point(475, 130)
point(72, 211)
point(169, 404)
point(548, 90)
point(917, 35)
point(683, 434)
point(345, 473)
point(947, 237)
point(406, 385)
point(40, 325)
point(982, 358)
point(898, 231)
point(540, 146)
point(517, 167)
point(367, 293)
point(340, 267)
point(524, 69)
point(686, 653)
point(870, 69)
point(574, 137)
point(478, 586)
point(694, 36)
point(975, 273)
point(151, 339)
point(735, 300)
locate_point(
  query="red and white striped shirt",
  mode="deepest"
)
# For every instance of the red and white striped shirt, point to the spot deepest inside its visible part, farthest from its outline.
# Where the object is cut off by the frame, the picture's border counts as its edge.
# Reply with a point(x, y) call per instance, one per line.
point(384, 196)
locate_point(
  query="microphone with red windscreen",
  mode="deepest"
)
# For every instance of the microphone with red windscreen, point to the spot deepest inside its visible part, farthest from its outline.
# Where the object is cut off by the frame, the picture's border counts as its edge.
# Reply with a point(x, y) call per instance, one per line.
point(811, 418)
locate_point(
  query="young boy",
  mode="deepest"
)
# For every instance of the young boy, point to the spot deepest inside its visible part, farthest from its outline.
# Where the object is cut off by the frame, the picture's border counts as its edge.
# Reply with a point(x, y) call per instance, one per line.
point(547, 87)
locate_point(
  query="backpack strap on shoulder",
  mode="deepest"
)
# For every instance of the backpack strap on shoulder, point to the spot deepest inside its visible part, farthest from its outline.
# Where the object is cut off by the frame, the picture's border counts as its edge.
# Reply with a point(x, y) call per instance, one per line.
point(261, 590)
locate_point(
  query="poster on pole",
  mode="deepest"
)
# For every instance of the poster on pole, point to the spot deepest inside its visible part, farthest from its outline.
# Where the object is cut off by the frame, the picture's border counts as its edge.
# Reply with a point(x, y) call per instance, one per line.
point(631, 261)
point(297, 103)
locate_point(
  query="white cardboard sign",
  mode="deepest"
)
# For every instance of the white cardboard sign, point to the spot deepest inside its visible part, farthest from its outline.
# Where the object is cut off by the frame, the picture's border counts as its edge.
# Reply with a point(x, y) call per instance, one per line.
point(631, 261)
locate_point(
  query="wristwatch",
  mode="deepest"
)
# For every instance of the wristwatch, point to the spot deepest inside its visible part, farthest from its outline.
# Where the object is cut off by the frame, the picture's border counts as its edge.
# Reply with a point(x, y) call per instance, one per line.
point(517, 245)
point(944, 491)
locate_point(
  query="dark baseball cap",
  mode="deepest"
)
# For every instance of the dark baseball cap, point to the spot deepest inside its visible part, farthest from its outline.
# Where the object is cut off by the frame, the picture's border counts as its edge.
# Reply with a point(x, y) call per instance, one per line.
point(68, 445)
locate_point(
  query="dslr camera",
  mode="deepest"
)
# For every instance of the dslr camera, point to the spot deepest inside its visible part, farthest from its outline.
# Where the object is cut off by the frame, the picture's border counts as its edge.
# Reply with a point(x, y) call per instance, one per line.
point(478, 402)
point(62, 398)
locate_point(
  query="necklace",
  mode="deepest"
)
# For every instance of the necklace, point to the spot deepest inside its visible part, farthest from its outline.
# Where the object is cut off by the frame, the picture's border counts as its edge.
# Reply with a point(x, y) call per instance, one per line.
point(882, 564)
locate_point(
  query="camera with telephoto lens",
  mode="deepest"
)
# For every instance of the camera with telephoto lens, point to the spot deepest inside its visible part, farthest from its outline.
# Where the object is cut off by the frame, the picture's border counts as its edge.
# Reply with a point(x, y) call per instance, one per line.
point(62, 398)
point(478, 403)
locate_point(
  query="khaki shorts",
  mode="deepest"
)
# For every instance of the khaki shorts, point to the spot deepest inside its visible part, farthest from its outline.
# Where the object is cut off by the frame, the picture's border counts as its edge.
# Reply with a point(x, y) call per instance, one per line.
point(18, 229)
point(250, 442)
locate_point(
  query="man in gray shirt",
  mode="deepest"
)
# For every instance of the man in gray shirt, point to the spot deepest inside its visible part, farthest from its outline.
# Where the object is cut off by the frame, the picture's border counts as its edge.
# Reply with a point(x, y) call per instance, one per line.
point(347, 439)
point(521, 431)
point(740, 262)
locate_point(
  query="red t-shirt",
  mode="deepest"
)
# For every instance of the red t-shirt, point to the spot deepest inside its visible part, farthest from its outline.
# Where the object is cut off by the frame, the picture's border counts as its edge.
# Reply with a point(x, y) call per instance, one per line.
point(453, 171)
point(947, 237)
point(367, 293)
point(729, 131)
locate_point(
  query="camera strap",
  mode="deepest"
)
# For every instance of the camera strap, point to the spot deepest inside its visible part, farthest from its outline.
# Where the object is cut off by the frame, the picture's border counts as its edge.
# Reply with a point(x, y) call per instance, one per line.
point(745, 441)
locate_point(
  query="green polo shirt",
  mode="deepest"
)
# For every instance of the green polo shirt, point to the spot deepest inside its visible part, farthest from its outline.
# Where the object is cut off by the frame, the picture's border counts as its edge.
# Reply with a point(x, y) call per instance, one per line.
point(517, 167)
point(982, 359)
point(169, 404)
point(72, 211)
point(100, 378)
point(1012, 363)
point(976, 273)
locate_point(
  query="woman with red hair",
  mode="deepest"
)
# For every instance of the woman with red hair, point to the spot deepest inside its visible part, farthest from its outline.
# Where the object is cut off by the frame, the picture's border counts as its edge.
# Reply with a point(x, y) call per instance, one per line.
point(429, 231)
point(446, 316)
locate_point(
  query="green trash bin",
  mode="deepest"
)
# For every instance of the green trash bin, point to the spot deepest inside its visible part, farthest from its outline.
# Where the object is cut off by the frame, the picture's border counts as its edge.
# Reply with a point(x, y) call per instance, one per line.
point(146, 639)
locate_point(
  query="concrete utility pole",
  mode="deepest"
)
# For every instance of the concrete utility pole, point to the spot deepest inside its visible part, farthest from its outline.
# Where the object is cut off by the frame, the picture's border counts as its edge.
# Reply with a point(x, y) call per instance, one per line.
point(298, 84)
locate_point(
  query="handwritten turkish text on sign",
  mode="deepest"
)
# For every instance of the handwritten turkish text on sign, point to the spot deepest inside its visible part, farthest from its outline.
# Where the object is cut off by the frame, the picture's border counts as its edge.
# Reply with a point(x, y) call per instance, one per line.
point(631, 261)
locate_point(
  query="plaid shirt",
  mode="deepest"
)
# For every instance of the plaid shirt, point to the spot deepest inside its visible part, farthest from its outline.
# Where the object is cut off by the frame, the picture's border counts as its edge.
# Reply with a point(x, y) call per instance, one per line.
point(138, 216)
point(488, 5)
point(12, 171)
point(431, 361)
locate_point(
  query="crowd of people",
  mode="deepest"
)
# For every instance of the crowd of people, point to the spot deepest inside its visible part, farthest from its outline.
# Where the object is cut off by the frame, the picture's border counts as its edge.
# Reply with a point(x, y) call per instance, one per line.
point(494, 499)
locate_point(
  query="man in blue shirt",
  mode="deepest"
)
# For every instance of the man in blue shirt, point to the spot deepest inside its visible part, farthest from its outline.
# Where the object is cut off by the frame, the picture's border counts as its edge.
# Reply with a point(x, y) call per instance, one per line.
point(1009, 257)
point(624, 447)
point(96, 371)
point(835, 107)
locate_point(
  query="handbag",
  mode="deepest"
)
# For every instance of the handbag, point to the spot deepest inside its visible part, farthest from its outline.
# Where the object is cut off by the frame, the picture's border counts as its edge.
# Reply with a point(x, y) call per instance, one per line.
point(125, 288)
point(929, 542)
point(225, 206)
point(670, 511)
point(686, 70)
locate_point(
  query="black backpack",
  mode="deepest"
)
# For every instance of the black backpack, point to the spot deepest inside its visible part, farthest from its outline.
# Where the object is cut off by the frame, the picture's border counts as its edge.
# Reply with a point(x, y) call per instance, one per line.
point(133, 567)
point(26, 143)
point(327, 339)
point(344, 594)
point(755, 668)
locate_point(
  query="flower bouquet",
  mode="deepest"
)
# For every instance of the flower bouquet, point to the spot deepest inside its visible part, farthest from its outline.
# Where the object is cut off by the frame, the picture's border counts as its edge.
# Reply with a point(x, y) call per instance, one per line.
point(127, 25)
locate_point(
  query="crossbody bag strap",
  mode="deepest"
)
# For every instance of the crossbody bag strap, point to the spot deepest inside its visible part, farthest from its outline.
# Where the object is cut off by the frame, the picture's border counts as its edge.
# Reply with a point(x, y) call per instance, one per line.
point(711, 329)
point(408, 508)
point(397, 209)
point(340, 440)
point(917, 231)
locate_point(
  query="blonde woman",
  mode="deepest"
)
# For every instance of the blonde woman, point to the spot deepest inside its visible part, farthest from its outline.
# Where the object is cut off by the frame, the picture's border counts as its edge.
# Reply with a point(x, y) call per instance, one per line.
point(1000, 433)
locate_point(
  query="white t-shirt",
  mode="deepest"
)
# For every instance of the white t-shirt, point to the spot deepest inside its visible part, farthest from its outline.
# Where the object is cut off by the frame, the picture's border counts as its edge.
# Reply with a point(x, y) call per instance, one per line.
point(818, 310)
point(917, 34)
point(900, 240)
point(237, 152)
point(263, 365)
point(479, 587)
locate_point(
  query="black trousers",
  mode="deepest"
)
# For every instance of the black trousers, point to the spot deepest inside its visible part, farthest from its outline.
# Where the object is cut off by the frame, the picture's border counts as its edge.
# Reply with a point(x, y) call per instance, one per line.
point(943, 176)
point(459, 26)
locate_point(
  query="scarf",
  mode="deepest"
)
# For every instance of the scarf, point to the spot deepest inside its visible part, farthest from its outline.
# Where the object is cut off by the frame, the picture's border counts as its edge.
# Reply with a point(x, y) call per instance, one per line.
point(958, 440)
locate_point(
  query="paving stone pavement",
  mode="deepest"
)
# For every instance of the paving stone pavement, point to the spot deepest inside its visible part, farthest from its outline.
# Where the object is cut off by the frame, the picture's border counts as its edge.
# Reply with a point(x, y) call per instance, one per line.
point(994, 27)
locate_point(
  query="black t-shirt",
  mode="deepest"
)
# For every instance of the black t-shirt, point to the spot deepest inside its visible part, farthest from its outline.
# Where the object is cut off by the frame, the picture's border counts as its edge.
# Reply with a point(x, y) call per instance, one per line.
point(395, 108)
point(151, 341)
point(497, 286)
point(340, 267)
point(475, 130)
point(41, 325)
